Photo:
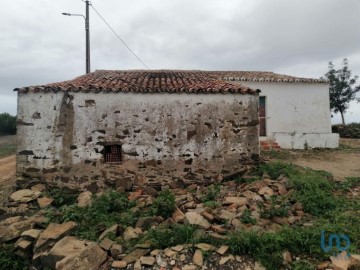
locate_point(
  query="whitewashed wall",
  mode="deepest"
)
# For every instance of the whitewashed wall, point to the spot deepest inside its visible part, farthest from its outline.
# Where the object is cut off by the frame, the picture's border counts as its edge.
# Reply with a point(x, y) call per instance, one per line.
point(298, 114)
point(64, 134)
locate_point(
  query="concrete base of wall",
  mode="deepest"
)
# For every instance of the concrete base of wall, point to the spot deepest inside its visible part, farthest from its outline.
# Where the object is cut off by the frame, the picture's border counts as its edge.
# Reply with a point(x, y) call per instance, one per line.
point(306, 140)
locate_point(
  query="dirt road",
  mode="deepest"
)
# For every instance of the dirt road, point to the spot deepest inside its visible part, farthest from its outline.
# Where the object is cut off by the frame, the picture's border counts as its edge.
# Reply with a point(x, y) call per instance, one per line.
point(340, 164)
point(7, 177)
point(7, 166)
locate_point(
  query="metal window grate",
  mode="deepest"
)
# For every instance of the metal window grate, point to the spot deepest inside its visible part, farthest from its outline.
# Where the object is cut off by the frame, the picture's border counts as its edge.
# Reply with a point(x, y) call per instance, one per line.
point(112, 153)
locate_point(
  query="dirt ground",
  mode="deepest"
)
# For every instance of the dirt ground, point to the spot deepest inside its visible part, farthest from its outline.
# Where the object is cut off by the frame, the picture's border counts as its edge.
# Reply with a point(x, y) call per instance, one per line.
point(340, 164)
point(343, 162)
point(7, 177)
point(9, 139)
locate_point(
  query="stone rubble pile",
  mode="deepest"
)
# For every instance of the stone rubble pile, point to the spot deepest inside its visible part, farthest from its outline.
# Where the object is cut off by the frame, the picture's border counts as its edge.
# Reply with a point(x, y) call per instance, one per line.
point(237, 205)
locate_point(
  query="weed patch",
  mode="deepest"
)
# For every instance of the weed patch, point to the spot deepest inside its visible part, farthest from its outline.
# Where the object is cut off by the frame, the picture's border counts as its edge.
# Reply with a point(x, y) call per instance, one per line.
point(315, 191)
point(275, 169)
point(348, 183)
point(62, 197)
point(104, 211)
point(277, 208)
point(211, 193)
point(172, 235)
point(9, 260)
point(164, 204)
point(211, 204)
point(268, 247)
point(246, 217)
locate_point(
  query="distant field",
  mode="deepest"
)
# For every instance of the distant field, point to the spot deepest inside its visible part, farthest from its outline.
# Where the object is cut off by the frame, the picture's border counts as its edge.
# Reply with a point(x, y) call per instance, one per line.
point(7, 145)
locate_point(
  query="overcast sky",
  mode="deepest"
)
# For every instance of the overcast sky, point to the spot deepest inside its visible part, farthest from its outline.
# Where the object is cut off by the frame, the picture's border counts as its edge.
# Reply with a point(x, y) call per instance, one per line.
point(298, 37)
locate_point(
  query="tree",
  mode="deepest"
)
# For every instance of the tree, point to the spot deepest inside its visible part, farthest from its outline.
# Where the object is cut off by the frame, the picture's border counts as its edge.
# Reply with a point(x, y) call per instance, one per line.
point(7, 123)
point(342, 88)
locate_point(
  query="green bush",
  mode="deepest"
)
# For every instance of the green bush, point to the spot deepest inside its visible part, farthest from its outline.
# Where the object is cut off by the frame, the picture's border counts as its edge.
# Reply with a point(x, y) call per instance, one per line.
point(164, 204)
point(348, 131)
point(7, 123)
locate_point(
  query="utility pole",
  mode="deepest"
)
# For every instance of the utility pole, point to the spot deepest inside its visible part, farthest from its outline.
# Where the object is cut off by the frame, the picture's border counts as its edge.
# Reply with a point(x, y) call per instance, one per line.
point(87, 34)
point(87, 30)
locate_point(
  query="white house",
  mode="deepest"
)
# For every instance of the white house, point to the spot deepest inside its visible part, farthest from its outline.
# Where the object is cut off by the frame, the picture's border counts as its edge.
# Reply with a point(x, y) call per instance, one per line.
point(189, 121)
point(294, 112)
point(115, 128)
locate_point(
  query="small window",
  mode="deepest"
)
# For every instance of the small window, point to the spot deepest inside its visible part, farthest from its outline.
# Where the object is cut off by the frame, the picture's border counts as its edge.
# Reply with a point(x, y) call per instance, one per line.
point(112, 153)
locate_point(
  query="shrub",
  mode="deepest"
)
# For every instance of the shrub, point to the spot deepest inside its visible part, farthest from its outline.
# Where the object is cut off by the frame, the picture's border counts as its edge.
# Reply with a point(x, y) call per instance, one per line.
point(348, 131)
point(7, 123)
point(164, 204)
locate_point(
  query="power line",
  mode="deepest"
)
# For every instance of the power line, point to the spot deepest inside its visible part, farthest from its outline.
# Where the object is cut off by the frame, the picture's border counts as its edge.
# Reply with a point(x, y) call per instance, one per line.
point(102, 18)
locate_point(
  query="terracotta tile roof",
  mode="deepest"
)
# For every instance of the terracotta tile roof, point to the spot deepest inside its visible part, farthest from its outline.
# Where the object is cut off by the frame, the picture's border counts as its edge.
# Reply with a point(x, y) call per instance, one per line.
point(170, 81)
point(264, 76)
point(145, 81)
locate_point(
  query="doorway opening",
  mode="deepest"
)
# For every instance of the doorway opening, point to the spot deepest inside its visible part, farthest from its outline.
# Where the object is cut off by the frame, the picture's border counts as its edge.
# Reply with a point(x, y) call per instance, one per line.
point(262, 116)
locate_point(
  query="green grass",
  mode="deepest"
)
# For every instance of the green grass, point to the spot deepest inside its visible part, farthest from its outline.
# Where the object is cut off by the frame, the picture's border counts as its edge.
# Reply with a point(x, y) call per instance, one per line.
point(314, 189)
point(9, 260)
point(320, 196)
point(212, 204)
point(62, 197)
point(275, 170)
point(164, 204)
point(211, 193)
point(172, 235)
point(105, 210)
point(349, 183)
point(278, 208)
point(246, 217)
point(7, 150)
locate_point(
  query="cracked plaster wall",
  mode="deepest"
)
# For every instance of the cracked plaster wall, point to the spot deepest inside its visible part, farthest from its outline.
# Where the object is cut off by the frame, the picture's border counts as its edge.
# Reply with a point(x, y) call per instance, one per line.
point(61, 136)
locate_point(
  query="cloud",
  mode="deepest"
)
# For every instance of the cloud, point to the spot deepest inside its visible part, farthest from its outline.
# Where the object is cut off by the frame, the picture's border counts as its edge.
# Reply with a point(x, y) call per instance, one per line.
point(38, 45)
